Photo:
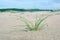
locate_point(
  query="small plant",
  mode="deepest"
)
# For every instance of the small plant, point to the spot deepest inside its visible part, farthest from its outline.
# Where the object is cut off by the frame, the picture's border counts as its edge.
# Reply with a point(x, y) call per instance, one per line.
point(37, 25)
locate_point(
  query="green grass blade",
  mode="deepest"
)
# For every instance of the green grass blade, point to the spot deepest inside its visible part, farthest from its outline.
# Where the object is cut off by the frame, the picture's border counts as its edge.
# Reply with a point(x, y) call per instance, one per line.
point(38, 22)
point(28, 24)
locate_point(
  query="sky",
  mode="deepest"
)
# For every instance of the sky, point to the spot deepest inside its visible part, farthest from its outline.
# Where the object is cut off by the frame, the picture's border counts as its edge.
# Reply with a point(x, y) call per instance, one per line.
point(30, 4)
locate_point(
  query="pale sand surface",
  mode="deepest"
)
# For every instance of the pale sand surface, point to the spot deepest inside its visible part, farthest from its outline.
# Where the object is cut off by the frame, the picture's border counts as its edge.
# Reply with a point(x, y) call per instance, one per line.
point(10, 26)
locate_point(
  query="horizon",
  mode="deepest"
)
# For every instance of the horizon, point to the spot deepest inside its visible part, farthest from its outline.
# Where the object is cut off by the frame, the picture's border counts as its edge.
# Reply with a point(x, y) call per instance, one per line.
point(30, 9)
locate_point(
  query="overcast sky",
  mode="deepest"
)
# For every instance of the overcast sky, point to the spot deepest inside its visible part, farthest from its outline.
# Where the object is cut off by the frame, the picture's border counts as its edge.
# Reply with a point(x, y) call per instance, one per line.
point(30, 4)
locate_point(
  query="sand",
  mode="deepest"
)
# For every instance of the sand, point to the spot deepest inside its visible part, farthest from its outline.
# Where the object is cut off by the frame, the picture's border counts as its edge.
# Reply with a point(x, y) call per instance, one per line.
point(10, 26)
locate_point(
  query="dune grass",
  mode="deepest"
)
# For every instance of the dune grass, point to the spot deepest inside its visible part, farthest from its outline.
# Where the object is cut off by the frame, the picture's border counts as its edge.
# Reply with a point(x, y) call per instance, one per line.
point(36, 26)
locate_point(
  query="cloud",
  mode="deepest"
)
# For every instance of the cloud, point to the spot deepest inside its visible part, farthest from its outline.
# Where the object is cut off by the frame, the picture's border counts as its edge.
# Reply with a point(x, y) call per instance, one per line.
point(43, 4)
point(56, 1)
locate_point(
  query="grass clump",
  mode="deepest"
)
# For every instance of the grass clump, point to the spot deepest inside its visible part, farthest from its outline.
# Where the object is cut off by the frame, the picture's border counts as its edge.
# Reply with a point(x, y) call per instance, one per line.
point(36, 26)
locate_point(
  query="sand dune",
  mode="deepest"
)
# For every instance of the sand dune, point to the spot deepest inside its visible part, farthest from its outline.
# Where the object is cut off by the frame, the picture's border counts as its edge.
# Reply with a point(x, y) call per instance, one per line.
point(10, 26)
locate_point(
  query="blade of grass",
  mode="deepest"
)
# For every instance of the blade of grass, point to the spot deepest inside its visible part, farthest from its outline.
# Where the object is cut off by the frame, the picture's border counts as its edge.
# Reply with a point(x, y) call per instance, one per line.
point(38, 22)
point(28, 24)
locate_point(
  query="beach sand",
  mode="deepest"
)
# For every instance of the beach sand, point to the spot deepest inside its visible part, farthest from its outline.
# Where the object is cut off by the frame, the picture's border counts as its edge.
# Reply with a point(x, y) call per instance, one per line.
point(11, 26)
